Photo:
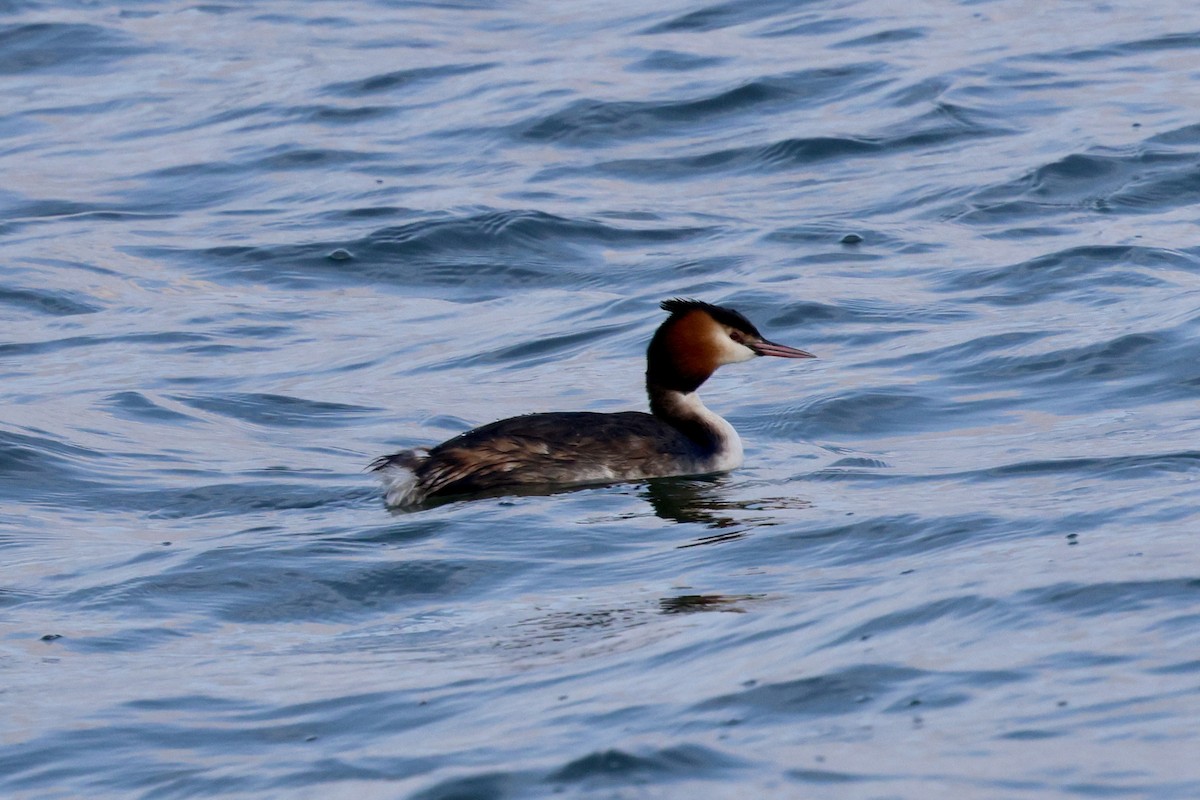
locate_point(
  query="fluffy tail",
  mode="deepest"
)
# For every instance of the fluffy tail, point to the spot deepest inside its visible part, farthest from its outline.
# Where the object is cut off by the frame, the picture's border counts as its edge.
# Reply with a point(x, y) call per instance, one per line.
point(398, 474)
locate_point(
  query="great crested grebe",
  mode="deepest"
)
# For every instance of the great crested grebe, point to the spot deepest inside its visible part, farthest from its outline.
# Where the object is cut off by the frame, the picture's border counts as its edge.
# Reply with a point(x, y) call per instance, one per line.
point(679, 436)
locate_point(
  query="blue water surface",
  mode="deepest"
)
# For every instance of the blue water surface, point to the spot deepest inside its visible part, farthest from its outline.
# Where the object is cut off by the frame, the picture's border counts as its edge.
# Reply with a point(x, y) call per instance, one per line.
point(245, 248)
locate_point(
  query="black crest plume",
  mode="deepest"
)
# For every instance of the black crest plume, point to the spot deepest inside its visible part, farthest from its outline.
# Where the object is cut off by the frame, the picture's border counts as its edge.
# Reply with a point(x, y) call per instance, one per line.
point(725, 316)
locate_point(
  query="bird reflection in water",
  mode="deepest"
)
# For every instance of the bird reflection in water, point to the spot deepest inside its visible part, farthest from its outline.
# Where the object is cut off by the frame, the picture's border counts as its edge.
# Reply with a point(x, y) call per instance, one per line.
point(704, 501)
point(691, 603)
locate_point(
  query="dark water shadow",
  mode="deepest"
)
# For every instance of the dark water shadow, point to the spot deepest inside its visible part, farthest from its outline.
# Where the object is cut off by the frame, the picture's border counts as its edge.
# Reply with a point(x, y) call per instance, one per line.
point(693, 603)
point(698, 500)
point(704, 501)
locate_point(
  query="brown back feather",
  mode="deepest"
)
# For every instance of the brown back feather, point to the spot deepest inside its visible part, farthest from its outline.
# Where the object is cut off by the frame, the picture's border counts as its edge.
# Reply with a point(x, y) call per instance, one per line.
point(548, 448)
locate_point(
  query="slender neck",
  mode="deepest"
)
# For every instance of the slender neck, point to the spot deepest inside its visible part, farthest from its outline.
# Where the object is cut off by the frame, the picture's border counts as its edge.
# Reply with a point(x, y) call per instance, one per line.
point(684, 412)
point(671, 383)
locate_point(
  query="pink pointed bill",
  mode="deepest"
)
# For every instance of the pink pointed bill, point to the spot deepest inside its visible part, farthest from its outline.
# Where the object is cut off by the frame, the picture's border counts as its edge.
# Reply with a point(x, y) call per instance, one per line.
point(765, 348)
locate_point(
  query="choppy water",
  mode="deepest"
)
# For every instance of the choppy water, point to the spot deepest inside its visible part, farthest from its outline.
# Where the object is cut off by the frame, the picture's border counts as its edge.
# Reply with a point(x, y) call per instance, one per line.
point(245, 248)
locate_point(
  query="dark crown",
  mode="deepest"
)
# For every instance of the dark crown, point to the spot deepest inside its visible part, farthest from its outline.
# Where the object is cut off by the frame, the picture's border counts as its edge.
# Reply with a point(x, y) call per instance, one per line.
point(725, 316)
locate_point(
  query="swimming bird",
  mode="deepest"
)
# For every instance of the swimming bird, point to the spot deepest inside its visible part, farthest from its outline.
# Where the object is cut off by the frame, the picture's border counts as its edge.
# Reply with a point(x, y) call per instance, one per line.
point(679, 436)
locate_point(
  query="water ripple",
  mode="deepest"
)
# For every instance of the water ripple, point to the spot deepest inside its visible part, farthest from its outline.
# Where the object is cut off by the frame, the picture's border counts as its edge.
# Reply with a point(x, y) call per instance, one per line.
point(62, 47)
point(249, 247)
